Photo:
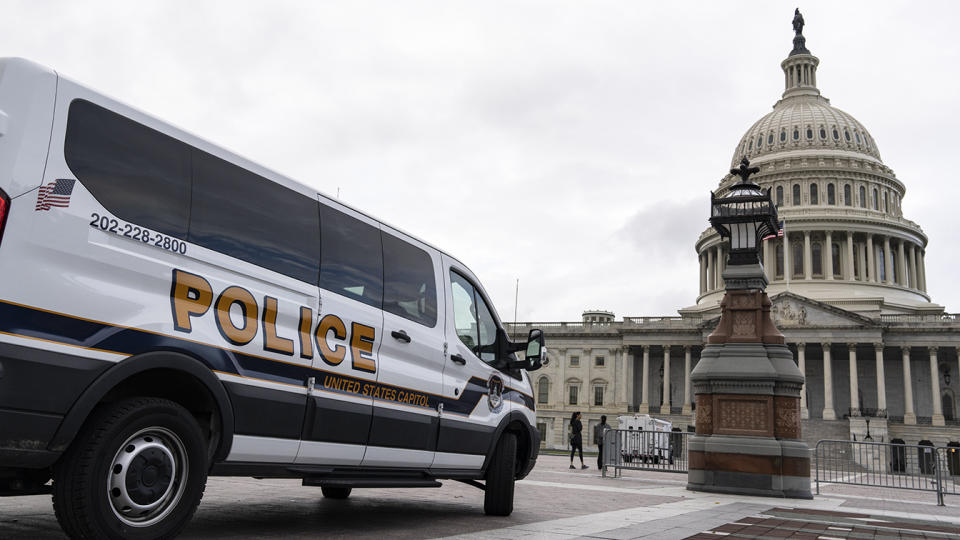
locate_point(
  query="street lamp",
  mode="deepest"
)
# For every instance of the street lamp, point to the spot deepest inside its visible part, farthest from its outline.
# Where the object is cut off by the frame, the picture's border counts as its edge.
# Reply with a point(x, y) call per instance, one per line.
point(747, 385)
point(745, 215)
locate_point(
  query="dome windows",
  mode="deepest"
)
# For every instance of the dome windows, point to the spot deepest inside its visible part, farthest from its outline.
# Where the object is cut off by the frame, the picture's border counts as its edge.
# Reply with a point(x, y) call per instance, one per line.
point(857, 135)
point(846, 135)
point(823, 133)
point(814, 199)
point(863, 197)
point(796, 195)
point(809, 133)
point(847, 199)
point(796, 134)
point(751, 144)
point(836, 134)
point(770, 138)
point(831, 194)
point(759, 141)
point(779, 196)
point(783, 136)
point(876, 199)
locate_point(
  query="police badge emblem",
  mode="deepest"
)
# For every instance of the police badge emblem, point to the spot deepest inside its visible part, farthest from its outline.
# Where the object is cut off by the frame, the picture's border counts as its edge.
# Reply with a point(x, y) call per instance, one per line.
point(495, 393)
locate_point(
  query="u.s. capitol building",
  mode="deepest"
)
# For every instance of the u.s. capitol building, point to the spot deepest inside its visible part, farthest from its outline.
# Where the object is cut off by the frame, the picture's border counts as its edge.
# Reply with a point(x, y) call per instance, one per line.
point(847, 281)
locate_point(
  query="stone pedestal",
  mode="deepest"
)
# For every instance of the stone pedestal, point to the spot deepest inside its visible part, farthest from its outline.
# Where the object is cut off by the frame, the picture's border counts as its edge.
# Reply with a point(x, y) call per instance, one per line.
point(747, 390)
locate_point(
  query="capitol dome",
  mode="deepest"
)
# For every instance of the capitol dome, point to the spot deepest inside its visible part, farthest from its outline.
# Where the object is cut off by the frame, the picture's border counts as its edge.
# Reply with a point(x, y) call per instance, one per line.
point(845, 240)
point(805, 123)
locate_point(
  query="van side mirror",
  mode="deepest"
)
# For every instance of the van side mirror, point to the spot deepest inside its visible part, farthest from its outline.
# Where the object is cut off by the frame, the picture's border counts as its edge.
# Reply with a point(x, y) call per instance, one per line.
point(536, 354)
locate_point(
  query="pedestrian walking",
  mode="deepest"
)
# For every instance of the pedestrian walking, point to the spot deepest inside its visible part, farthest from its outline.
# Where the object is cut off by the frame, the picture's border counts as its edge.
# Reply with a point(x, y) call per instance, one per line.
point(598, 432)
point(576, 439)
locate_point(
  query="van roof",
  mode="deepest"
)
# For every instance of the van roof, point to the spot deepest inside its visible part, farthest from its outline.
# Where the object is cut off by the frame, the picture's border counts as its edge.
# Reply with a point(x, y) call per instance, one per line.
point(191, 138)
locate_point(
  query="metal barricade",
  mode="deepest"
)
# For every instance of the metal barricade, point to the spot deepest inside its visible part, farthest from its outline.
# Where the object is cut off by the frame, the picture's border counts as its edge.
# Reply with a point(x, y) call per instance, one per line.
point(889, 465)
point(645, 450)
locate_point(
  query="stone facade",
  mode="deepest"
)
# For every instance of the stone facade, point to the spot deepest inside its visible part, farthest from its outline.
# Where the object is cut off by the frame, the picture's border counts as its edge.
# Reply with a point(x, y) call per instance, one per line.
point(847, 284)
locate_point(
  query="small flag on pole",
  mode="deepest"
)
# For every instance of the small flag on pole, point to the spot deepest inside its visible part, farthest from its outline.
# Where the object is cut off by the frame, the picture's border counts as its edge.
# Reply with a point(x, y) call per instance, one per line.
point(779, 232)
point(56, 193)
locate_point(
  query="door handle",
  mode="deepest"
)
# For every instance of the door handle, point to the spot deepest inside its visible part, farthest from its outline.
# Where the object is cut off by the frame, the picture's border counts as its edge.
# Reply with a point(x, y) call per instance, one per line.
point(458, 359)
point(400, 335)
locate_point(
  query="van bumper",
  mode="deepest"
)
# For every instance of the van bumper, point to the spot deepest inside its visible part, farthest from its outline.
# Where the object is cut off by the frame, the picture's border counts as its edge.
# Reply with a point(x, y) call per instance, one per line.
point(37, 388)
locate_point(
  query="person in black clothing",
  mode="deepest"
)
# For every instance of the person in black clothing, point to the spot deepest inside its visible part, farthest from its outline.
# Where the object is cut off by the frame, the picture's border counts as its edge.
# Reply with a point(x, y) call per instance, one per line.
point(598, 433)
point(576, 439)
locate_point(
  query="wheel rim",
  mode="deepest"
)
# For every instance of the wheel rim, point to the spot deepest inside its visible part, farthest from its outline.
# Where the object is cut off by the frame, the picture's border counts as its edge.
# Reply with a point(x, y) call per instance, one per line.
point(147, 476)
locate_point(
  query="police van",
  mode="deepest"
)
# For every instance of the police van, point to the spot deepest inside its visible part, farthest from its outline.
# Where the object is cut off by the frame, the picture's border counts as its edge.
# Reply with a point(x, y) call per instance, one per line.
point(170, 310)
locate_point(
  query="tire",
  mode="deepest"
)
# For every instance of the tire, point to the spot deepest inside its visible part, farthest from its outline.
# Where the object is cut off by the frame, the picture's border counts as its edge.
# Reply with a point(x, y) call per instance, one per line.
point(336, 492)
point(501, 476)
point(163, 451)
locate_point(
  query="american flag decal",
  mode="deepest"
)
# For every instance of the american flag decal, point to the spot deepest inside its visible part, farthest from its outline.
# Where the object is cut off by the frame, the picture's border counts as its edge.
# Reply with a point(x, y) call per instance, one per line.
point(56, 193)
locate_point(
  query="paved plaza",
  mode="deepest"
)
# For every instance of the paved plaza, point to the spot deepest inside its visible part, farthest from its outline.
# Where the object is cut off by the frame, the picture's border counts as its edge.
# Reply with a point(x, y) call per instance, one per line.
point(553, 502)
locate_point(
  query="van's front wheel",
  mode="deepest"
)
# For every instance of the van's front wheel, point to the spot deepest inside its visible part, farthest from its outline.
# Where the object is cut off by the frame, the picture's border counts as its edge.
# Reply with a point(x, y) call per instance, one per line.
point(137, 470)
point(501, 477)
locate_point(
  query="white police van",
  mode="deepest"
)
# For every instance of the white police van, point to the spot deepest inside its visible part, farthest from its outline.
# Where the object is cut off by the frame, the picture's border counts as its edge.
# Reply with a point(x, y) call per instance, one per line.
point(170, 310)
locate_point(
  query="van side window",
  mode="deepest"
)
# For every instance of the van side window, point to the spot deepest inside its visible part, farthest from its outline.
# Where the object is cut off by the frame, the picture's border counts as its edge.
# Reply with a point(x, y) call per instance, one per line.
point(244, 215)
point(409, 284)
point(473, 320)
point(352, 261)
point(137, 173)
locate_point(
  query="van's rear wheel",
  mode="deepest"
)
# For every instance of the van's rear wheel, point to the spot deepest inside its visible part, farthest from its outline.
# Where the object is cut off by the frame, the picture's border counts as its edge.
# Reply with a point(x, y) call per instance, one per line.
point(501, 476)
point(336, 492)
point(137, 470)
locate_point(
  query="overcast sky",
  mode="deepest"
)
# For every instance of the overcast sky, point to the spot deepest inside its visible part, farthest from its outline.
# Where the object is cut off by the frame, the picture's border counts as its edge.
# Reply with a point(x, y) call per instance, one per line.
point(570, 145)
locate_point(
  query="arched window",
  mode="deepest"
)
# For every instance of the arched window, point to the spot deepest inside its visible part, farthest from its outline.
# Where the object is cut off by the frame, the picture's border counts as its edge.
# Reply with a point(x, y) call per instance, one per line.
point(863, 197)
point(770, 138)
point(759, 141)
point(817, 259)
point(809, 133)
point(796, 134)
point(813, 194)
point(779, 268)
point(797, 260)
point(823, 133)
point(831, 194)
point(857, 134)
point(779, 196)
point(885, 207)
point(836, 259)
point(836, 134)
point(783, 136)
point(847, 199)
point(543, 390)
point(751, 144)
point(796, 195)
point(876, 199)
point(846, 135)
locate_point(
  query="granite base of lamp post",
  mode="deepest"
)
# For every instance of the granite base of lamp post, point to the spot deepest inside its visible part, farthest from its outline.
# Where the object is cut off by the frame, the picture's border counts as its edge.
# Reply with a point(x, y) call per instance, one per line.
point(747, 390)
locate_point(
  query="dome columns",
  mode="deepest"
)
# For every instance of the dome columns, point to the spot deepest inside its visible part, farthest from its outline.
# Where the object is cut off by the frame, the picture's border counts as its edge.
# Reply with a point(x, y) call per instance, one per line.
point(800, 75)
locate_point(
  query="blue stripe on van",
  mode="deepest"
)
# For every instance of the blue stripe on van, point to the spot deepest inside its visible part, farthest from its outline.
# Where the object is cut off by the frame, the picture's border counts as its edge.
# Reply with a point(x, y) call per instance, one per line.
point(37, 323)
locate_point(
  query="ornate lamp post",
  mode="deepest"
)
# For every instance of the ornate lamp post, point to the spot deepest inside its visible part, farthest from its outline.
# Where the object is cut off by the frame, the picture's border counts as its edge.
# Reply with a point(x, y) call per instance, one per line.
point(747, 385)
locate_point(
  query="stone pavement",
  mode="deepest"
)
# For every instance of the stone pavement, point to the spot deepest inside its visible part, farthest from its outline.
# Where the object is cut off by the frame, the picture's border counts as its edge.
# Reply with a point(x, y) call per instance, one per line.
point(554, 502)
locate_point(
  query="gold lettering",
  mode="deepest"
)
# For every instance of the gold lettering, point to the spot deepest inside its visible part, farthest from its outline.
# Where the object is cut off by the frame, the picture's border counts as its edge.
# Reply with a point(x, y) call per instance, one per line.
point(361, 347)
point(306, 323)
point(248, 307)
point(271, 341)
point(331, 355)
point(190, 296)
